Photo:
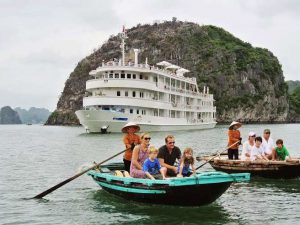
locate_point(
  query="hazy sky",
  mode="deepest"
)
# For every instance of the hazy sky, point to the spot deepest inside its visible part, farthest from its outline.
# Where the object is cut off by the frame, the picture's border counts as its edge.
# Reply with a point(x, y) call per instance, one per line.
point(42, 41)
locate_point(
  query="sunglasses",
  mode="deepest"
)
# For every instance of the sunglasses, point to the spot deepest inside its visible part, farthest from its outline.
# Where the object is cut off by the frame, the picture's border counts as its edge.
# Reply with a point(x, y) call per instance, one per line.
point(147, 138)
point(173, 142)
point(253, 136)
point(267, 133)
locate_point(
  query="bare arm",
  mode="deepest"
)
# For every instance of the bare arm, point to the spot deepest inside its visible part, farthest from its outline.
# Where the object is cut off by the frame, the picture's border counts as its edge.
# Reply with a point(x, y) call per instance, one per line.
point(162, 163)
point(162, 173)
point(149, 176)
point(180, 169)
point(135, 156)
point(126, 142)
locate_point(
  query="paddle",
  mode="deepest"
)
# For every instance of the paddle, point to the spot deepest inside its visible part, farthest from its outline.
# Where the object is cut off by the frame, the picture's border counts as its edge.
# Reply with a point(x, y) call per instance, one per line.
point(216, 154)
point(75, 176)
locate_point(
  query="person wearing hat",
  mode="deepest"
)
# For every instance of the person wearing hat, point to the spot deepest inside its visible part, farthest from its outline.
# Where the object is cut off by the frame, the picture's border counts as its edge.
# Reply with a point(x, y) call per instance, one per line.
point(267, 143)
point(247, 146)
point(130, 140)
point(234, 135)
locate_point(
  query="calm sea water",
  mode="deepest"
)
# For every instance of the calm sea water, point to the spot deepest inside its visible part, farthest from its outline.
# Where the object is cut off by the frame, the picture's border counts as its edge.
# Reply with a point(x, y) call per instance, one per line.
point(34, 158)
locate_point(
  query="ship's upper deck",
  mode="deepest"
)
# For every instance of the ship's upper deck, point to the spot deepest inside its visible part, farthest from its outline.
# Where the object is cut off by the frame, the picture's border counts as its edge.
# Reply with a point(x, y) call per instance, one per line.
point(143, 68)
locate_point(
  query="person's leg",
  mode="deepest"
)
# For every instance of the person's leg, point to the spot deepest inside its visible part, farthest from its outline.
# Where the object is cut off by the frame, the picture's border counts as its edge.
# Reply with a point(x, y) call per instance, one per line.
point(157, 176)
point(274, 155)
point(127, 165)
point(187, 174)
point(236, 154)
point(164, 171)
point(171, 173)
point(269, 156)
point(230, 154)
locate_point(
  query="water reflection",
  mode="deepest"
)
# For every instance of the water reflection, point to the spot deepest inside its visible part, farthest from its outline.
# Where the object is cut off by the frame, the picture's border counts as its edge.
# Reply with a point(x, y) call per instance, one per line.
point(287, 186)
point(158, 214)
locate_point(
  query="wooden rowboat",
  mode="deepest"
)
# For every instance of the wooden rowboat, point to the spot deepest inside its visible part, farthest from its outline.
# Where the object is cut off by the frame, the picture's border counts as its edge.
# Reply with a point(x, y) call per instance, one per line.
point(201, 189)
point(268, 169)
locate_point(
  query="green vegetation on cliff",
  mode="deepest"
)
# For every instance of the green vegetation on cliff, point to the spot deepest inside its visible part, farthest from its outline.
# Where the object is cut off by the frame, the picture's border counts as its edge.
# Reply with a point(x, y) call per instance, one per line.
point(247, 82)
point(293, 85)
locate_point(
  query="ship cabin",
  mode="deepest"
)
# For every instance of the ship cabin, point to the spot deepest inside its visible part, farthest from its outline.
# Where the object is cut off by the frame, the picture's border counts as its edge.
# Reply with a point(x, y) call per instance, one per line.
point(142, 89)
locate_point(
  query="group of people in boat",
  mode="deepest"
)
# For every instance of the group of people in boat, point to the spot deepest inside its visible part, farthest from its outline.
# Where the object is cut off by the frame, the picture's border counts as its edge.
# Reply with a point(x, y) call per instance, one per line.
point(142, 160)
point(256, 147)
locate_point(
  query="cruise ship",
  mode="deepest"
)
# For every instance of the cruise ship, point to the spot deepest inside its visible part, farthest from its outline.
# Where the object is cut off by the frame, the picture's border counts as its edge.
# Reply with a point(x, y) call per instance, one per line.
point(157, 98)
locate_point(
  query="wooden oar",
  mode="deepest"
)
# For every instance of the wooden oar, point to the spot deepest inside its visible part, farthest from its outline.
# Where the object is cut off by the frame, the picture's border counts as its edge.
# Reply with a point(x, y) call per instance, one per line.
point(75, 176)
point(216, 154)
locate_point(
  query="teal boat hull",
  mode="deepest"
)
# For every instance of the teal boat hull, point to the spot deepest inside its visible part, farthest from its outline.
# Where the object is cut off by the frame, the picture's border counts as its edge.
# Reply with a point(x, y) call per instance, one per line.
point(201, 189)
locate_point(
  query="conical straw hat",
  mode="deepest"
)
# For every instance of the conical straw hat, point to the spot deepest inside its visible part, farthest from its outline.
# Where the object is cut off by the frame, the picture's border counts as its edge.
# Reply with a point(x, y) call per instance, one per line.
point(235, 123)
point(130, 124)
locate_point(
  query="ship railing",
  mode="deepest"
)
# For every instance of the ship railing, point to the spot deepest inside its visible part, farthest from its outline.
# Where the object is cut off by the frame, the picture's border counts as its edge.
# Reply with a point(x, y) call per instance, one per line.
point(145, 66)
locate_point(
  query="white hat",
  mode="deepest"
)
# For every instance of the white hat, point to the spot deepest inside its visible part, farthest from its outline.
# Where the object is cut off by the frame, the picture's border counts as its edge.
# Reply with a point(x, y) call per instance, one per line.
point(251, 133)
point(130, 124)
point(235, 123)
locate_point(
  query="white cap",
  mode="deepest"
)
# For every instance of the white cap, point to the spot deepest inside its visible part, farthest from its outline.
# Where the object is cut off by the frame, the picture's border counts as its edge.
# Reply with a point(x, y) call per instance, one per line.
point(251, 133)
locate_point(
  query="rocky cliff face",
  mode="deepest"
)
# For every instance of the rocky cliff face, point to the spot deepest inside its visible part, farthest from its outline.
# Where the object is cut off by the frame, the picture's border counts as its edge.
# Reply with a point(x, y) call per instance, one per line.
point(9, 116)
point(247, 82)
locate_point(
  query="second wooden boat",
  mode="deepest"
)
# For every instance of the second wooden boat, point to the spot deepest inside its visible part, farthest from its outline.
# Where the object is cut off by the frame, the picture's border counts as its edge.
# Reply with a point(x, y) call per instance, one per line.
point(268, 169)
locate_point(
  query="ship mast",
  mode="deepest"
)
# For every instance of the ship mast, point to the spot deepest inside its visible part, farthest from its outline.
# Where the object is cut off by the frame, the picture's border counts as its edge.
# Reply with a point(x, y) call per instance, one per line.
point(123, 36)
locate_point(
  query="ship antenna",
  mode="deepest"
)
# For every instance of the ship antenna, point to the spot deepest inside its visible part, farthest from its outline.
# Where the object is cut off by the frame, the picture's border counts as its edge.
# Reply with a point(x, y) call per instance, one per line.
point(123, 36)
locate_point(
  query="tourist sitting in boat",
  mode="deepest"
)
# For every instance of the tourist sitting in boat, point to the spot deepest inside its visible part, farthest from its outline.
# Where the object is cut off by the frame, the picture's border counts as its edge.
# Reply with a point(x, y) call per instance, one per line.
point(234, 135)
point(152, 167)
point(187, 161)
point(167, 156)
point(139, 155)
point(247, 146)
point(280, 152)
point(268, 143)
point(130, 140)
point(257, 152)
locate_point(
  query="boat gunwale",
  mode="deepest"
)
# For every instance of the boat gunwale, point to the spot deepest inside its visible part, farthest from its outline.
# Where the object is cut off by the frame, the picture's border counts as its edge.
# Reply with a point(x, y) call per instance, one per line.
point(200, 178)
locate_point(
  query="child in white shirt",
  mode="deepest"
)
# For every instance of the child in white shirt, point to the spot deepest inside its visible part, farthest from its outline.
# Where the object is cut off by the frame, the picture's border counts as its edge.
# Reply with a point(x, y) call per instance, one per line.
point(257, 152)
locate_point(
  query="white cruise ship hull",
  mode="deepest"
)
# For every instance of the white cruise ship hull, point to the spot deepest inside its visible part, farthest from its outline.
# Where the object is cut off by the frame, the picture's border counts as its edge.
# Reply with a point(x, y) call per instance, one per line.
point(94, 120)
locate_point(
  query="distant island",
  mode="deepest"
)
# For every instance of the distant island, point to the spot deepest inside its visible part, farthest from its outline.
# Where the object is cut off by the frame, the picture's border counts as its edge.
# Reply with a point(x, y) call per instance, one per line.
point(9, 116)
point(18, 115)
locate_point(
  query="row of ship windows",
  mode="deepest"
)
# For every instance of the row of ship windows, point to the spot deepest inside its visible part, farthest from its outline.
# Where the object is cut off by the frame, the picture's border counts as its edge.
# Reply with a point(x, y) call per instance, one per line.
point(131, 111)
point(133, 94)
point(127, 75)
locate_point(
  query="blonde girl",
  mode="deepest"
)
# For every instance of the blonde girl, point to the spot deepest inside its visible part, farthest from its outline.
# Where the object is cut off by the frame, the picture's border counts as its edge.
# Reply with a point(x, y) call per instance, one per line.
point(187, 161)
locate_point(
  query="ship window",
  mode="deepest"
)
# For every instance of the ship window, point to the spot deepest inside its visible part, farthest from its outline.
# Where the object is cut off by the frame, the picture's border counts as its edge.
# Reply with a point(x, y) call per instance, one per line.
point(141, 76)
point(146, 77)
point(123, 75)
point(131, 111)
point(126, 93)
point(111, 75)
point(133, 76)
point(105, 108)
point(143, 112)
point(133, 94)
point(137, 111)
point(117, 75)
point(128, 76)
point(118, 93)
point(141, 94)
